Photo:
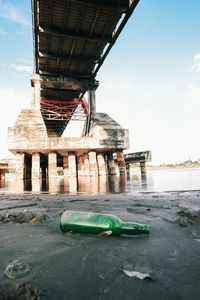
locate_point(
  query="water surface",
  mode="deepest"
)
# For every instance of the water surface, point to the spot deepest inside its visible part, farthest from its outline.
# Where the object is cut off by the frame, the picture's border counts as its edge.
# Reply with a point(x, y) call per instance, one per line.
point(155, 181)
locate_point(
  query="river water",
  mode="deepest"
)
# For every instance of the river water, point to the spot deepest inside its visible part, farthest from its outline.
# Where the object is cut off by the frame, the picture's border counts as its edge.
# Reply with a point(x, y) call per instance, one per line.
point(155, 181)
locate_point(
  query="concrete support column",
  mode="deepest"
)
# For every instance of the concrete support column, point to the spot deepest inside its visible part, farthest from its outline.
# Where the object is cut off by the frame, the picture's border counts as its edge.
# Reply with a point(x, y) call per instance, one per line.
point(128, 169)
point(143, 170)
point(36, 82)
point(101, 164)
point(121, 162)
point(111, 164)
point(80, 165)
point(20, 165)
point(72, 164)
point(35, 174)
point(2, 175)
point(92, 101)
point(86, 165)
point(52, 165)
point(65, 166)
point(93, 163)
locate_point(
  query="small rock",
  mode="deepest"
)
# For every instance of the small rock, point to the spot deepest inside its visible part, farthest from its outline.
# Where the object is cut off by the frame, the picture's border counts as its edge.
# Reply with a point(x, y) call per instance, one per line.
point(37, 219)
point(24, 291)
point(183, 221)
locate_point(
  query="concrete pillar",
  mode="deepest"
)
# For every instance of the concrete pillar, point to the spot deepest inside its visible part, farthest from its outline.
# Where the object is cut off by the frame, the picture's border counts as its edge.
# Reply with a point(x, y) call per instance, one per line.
point(53, 187)
point(93, 163)
point(143, 170)
point(80, 163)
point(65, 166)
point(52, 165)
point(84, 184)
point(72, 164)
point(36, 82)
point(94, 184)
point(35, 185)
point(2, 175)
point(35, 174)
point(19, 186)
point(122, 183)
point(128, 169)
point(20, 165)
point(101, 164)
point(121, 162)
point(92, 101)
point(86, 165)
point(73, 185)
point(111, 164)
point(102, 184)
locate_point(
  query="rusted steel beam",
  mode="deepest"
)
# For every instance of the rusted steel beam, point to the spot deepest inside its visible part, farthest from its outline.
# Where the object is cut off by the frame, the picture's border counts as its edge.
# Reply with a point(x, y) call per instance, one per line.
point(64, 110)
point(71, 34)
point(54, 101)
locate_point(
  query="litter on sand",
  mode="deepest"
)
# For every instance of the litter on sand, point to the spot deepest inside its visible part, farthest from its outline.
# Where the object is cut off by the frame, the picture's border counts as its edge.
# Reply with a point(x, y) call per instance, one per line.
point(137, 275)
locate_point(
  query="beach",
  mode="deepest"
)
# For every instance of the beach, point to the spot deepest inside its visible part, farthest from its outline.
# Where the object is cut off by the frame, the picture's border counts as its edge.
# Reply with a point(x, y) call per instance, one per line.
point(74, 266)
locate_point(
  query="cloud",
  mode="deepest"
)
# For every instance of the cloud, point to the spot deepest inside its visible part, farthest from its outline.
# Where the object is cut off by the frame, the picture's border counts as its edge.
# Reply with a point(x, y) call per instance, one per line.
point(13, 14)
point(196, 64)
point(22, 68)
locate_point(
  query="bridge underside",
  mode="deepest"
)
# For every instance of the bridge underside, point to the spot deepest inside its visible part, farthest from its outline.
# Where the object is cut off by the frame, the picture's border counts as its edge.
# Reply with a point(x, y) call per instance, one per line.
point(71, 41)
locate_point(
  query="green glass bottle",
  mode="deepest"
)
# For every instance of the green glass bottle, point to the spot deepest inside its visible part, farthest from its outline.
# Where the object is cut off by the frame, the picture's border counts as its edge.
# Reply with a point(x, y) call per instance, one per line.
point(96, 223)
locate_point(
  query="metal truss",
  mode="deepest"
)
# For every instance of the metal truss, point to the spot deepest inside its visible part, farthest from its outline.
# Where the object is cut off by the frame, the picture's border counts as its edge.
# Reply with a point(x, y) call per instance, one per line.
point(59, 110)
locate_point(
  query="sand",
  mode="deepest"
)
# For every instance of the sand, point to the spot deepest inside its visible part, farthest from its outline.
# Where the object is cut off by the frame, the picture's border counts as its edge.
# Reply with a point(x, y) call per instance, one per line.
point(73, 266)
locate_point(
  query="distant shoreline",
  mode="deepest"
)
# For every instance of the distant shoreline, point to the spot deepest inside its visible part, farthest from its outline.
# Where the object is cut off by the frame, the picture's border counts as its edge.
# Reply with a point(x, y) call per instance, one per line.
point(171, 167)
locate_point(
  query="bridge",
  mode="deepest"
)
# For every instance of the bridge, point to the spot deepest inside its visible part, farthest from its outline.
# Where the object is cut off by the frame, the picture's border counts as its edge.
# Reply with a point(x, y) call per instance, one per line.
point(71, 40)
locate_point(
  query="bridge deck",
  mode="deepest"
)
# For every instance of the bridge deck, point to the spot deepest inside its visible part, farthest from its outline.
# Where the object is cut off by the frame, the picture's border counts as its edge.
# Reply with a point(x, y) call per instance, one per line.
point(71, 40)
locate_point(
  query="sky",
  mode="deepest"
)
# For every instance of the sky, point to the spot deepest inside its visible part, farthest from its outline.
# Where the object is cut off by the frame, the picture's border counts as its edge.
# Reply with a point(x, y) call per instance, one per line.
point(149, 83)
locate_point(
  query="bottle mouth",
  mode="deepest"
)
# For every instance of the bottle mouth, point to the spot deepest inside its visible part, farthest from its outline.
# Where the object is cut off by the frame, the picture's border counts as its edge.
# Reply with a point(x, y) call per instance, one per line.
point(135, 228)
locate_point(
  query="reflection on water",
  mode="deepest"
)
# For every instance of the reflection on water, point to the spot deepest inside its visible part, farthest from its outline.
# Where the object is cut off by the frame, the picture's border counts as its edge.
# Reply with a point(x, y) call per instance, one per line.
point(159, 180)
point(70, 185)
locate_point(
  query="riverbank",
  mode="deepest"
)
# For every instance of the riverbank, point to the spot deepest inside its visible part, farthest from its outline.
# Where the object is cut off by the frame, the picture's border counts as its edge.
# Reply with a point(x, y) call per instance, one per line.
point(73, 266)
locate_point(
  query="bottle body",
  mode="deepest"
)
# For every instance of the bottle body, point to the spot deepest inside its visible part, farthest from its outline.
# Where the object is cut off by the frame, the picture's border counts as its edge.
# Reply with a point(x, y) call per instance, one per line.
point(96, 223)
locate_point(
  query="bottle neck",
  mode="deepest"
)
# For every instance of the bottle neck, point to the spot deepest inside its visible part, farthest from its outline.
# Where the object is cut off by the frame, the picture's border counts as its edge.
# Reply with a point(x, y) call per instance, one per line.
point(134, 228)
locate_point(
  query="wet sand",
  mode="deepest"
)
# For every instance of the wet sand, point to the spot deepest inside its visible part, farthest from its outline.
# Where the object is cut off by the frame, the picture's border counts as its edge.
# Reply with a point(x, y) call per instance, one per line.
point(73, 266)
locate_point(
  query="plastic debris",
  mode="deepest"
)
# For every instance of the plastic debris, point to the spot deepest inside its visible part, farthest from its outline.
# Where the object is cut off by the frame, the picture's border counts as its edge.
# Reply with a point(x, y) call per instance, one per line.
point(16, 269)
point(137, 275)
